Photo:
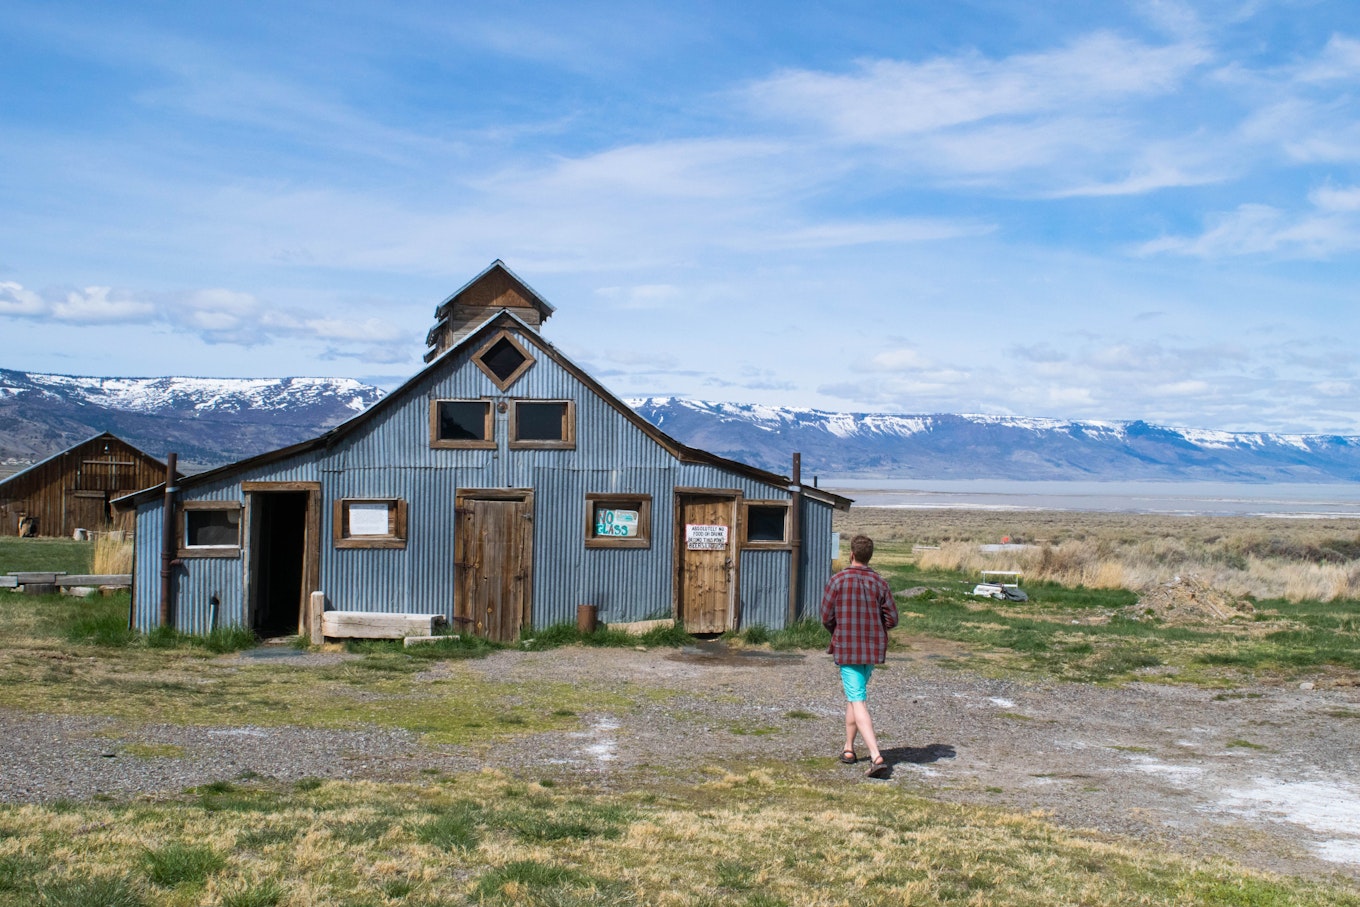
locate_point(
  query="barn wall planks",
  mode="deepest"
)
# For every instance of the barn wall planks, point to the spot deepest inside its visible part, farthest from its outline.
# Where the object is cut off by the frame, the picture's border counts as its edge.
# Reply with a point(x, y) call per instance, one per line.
point(73, 489)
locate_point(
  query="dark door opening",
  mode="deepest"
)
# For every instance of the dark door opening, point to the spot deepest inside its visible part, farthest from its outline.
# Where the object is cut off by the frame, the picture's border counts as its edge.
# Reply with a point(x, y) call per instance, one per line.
point(279, 556)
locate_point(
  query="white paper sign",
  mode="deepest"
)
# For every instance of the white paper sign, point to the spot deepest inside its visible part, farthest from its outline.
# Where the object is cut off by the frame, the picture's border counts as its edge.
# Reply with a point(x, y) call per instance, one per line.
point(701, 537)
point(368, 519)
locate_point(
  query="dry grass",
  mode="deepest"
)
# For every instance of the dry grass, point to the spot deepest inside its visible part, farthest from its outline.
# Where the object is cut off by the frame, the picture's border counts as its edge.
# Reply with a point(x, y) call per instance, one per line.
point(760, 838)
point(1259, 557)
point(112, 554)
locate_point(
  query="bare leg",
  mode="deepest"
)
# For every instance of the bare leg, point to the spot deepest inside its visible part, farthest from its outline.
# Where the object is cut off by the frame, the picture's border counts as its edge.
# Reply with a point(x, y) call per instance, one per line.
point(849, 728)
point(858, 713)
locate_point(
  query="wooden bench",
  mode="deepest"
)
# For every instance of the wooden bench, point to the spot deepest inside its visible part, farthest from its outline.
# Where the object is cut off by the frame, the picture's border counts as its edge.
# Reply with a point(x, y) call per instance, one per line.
point(365, 624)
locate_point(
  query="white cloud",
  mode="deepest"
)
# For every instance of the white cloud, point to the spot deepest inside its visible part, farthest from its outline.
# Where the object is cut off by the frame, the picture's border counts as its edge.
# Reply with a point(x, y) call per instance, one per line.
point(886, 100)
point(1255, 229)
point(15, 301)
point(100, 305)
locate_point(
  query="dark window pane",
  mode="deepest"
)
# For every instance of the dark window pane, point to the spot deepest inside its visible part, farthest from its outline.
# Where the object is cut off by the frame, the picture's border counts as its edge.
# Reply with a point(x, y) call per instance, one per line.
point(503, 358)
point(540, 421)
point(216, 528)
point(765, 524)
point(463, 420)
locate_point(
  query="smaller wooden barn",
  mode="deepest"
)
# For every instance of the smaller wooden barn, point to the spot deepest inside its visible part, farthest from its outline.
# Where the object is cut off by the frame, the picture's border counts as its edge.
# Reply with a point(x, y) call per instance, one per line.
point(500, 489)
point(73, 489)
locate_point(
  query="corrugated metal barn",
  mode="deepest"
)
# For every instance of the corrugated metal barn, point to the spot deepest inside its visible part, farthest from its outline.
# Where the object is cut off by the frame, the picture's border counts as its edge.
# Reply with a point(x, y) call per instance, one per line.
point(74, 489)
point(501, 487)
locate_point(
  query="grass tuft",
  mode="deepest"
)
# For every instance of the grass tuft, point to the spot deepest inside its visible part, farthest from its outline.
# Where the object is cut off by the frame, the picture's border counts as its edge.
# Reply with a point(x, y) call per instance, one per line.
point(179, 864)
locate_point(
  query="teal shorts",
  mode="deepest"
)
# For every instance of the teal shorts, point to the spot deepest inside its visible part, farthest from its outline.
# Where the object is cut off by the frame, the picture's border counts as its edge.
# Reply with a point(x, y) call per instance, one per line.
point(855, 681)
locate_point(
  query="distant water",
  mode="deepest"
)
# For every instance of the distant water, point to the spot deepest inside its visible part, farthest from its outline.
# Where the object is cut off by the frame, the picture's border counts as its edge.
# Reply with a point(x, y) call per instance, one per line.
point(1186, 498)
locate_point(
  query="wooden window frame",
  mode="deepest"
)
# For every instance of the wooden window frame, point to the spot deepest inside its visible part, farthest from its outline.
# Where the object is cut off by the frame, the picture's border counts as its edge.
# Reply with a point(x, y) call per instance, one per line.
point(568, 439)
point(643, 504)
point(396, 524)
point(487, 443)
point(747, 542)
point(182, 547)
point(514, 376)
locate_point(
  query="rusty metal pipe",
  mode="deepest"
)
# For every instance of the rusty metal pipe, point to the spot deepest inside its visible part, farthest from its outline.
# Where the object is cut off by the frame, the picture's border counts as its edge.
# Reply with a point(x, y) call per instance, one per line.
point(168, 541)
point(795, 536)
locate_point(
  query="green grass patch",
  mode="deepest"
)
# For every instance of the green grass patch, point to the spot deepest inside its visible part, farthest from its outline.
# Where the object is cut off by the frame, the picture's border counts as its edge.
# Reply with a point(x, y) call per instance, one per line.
point(45, 555)
point(180, 864)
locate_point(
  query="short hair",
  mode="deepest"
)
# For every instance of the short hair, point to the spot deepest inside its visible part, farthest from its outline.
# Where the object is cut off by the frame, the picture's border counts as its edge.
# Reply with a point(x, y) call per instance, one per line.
point(862, 548)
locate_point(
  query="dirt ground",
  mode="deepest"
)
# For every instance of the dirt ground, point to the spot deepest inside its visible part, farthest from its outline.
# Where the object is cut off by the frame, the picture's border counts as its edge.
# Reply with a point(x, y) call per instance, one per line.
point(1269, 776)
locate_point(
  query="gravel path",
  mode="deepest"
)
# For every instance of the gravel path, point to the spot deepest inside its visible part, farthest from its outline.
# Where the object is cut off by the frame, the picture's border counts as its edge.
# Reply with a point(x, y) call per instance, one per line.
point(1268, 776)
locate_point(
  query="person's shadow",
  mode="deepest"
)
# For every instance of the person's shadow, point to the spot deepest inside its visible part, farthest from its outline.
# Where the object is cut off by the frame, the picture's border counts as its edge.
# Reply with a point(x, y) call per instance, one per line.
point(917, 755)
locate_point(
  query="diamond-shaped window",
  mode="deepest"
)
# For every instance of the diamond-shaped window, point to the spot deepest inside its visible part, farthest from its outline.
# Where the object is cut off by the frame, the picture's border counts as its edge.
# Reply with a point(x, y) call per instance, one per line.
point(503, 360)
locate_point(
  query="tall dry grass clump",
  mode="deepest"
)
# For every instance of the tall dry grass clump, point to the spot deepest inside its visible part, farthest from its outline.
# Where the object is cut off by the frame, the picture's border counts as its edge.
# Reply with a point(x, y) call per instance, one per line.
point(112, 554)
point(1243, 556)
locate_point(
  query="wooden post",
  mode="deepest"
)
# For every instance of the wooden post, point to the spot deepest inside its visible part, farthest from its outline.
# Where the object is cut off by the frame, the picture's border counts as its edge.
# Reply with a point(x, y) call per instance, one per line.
point(316, 606)
point(586, 618)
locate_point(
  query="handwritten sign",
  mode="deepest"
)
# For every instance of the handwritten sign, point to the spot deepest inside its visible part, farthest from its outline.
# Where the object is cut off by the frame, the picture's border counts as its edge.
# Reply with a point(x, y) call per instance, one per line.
point(619, 524)
point(702, 537)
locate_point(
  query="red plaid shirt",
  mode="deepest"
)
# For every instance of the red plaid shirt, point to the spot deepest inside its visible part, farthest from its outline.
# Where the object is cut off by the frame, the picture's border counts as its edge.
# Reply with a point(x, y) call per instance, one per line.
point(859, 610)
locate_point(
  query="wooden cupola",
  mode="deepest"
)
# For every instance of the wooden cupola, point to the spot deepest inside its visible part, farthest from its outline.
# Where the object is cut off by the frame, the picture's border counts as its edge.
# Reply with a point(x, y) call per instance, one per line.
point(495, 289)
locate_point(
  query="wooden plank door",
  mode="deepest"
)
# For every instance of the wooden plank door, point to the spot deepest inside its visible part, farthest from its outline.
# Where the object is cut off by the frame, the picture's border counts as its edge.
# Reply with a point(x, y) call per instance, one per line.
point(706, 538)
point(493, 562)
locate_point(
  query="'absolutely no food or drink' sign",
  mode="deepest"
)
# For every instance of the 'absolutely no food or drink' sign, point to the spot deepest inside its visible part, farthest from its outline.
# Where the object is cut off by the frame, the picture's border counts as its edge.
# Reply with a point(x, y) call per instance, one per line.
point(702, 537)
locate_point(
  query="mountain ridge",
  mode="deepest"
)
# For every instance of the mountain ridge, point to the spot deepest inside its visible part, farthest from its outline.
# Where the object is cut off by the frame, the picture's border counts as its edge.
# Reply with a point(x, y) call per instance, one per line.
point(212, 421)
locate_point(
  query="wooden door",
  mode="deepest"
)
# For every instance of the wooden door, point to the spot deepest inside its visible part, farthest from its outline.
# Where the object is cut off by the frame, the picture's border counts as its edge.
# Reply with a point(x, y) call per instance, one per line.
point(494, 562)
point(88, 510)
point(706, 537)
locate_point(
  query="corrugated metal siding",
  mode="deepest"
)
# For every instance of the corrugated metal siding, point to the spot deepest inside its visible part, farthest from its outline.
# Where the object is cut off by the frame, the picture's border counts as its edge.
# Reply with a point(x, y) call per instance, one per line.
point(815, 568)
point(146, 577)
point(390, 457)
point(764, 588)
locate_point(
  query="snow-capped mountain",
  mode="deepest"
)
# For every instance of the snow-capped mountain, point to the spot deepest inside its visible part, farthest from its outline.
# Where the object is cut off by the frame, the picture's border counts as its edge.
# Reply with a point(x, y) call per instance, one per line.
point(210, 421)
point(995, 447)
point(207, 421)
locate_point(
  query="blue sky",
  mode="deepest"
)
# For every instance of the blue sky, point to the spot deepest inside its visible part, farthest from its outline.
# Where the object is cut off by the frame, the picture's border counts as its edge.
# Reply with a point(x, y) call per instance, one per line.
point(1100, 211)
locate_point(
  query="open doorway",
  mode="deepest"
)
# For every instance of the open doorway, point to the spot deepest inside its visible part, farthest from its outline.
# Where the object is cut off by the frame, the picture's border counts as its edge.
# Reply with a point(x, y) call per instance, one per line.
point(282, 562)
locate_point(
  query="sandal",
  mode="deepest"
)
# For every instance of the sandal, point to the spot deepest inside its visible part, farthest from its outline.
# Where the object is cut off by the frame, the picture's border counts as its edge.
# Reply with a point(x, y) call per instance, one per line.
point(849, 757)
point(878, 768)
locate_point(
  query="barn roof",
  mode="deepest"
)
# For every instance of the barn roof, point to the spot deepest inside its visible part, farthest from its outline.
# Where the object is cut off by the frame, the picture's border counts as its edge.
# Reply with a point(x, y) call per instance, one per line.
point(74, 447)
point(494, 323)
point(497, 267)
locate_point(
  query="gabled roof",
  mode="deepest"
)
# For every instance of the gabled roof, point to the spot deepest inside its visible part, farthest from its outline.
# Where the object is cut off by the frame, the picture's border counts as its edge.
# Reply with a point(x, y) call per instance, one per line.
point(474, 338)
point(496, 268)
point(58, 455)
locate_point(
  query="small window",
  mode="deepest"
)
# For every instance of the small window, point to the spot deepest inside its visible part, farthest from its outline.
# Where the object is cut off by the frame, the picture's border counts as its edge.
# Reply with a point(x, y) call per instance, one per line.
point(543, 423)
point(461, 423)
point(618, 521)
point(503, 360)
point(767, 523)
point(369, 523)
point(210, 529)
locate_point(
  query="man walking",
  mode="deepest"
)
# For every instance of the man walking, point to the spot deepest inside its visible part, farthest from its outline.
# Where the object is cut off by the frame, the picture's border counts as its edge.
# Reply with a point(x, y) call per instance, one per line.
point(859, 610)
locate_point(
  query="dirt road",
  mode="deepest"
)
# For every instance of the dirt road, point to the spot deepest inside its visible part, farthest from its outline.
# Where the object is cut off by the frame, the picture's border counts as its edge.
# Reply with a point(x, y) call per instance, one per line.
point(1267, 776)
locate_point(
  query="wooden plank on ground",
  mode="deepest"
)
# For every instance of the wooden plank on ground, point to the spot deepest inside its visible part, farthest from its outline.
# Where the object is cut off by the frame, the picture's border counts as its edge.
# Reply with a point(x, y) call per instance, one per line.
point(376, 625)
point(32, 577)
point(96, 579)
point(9, 582)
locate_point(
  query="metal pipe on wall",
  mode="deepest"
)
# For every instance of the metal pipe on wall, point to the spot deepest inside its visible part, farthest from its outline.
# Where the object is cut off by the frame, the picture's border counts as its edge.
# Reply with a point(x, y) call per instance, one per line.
point(168, 540)
point(795, 536)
